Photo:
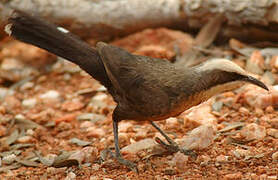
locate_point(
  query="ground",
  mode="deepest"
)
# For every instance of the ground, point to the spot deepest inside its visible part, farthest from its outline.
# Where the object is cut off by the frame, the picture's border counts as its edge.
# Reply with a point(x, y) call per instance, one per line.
point(66, 103)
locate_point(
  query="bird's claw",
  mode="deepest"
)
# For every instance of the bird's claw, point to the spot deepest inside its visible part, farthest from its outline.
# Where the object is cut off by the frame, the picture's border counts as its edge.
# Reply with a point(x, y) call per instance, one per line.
point(173, 148)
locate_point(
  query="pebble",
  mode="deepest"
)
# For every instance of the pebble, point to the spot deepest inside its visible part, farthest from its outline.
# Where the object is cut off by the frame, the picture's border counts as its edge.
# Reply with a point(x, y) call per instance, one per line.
point(11, 64)
point(222, 159)
point(253, 131)
point(95, 132)
point(241, 153)
point(272, 132)
point(50, 158)
point(92, 117)
point(27, 85)
point(180, 160)
point(274, 123)
point(72, 105)
point(199, 138)
point(66, 118)
point(9, 159)
point(204, 159)
point(51, 94)
point(11, 103)
point(172, 123)
point(86, 124)
point(71, 176)
point(233, 176)
point(25, 139)
point(3, 130)
point(268, 78)
point(86, 154)
point(4, 92)
point(29, 103)
point(200, 115)
point(19, 117)
point(138, 146)
point(255, 64)
point(125, 126)
point(30, 132)
point(260, 98)
point(275, 156)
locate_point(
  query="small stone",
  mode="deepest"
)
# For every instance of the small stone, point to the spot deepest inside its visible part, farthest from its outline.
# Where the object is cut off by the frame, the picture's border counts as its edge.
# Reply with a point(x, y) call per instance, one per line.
point(269, 109)
point(273, 132)
point(90, 117)
point(204, 160)
point(180, 160)
point(222, 159)
point(138, 146)
point(26, 86)
point(20, 117)
point(155, 51)
point(30, 132)
point(260, 98)
point(71, 176)
point(29, 103)
point(200, 115)
point(274, 123)
point(172, 123)
point(95, 132)
point(11, 103)
point(275, 156)
point(199, 138)
point(86, 124)
point(3, 130)
point(244, 111)
point(253, 132)
point(9, 159)
point(255, 64)
point(11, 64)
point(25, 139)
point(125, 126)
point(233, 176)
point(268, 78)
point(66, 118)
point(52, 94)
point(241, 153)
point(86, 154)
point(272, 177)
point(72, 105)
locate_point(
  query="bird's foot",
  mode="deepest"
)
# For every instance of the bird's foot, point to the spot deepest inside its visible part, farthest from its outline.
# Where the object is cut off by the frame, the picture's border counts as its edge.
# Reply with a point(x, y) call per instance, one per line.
point(132, 166)
point(173, 147)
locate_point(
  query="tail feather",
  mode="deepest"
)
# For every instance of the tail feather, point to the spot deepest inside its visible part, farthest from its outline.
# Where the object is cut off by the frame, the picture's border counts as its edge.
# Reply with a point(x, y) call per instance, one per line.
point(59, 41)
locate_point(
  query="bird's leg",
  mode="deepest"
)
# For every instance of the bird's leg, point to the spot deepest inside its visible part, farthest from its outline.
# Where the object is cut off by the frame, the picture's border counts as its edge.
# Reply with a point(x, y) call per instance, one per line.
point(117, 155)
point(172, 146)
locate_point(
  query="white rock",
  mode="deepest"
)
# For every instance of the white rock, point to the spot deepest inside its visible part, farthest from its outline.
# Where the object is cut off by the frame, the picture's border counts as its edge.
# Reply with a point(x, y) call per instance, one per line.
point(99, 97)
point(27, 85)
point(20, 117)
point(241, 153)
point(199, 138)
point(52, 94)
point(11, 63)
point(84, 155)
point(222, 158)
point(200, 115)
point(180, 160)
point(71, 176)
point(25, 139)
point(253, 132)
point(29, 103)
point(172, 122)
point(138, 146)
point(9, 159)
point(30, 132)
point(275, 156)
point(273, 132)
point(125, 126)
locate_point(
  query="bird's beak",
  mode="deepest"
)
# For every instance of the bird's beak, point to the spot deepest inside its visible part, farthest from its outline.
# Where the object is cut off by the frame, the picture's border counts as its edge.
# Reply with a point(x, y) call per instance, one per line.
point(255, 81)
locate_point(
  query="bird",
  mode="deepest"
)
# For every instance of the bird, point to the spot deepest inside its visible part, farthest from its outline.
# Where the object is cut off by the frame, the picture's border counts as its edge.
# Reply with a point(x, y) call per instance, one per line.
point(144, 88)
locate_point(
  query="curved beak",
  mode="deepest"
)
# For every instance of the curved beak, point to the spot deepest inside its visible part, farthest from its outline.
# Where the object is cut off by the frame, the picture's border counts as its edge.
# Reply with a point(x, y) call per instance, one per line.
point(255, 81)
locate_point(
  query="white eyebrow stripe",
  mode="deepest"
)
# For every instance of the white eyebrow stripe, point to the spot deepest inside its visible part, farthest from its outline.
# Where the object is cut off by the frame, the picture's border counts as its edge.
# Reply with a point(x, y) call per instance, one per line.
point(63, 30)
point(8, 29)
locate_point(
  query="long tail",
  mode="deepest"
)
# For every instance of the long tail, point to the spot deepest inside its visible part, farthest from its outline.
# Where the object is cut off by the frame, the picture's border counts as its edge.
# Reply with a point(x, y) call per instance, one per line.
point(57, 40)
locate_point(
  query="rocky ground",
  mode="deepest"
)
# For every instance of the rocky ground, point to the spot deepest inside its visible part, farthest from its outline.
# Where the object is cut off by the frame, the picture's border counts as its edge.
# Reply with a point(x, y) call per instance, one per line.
point(55, 120)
